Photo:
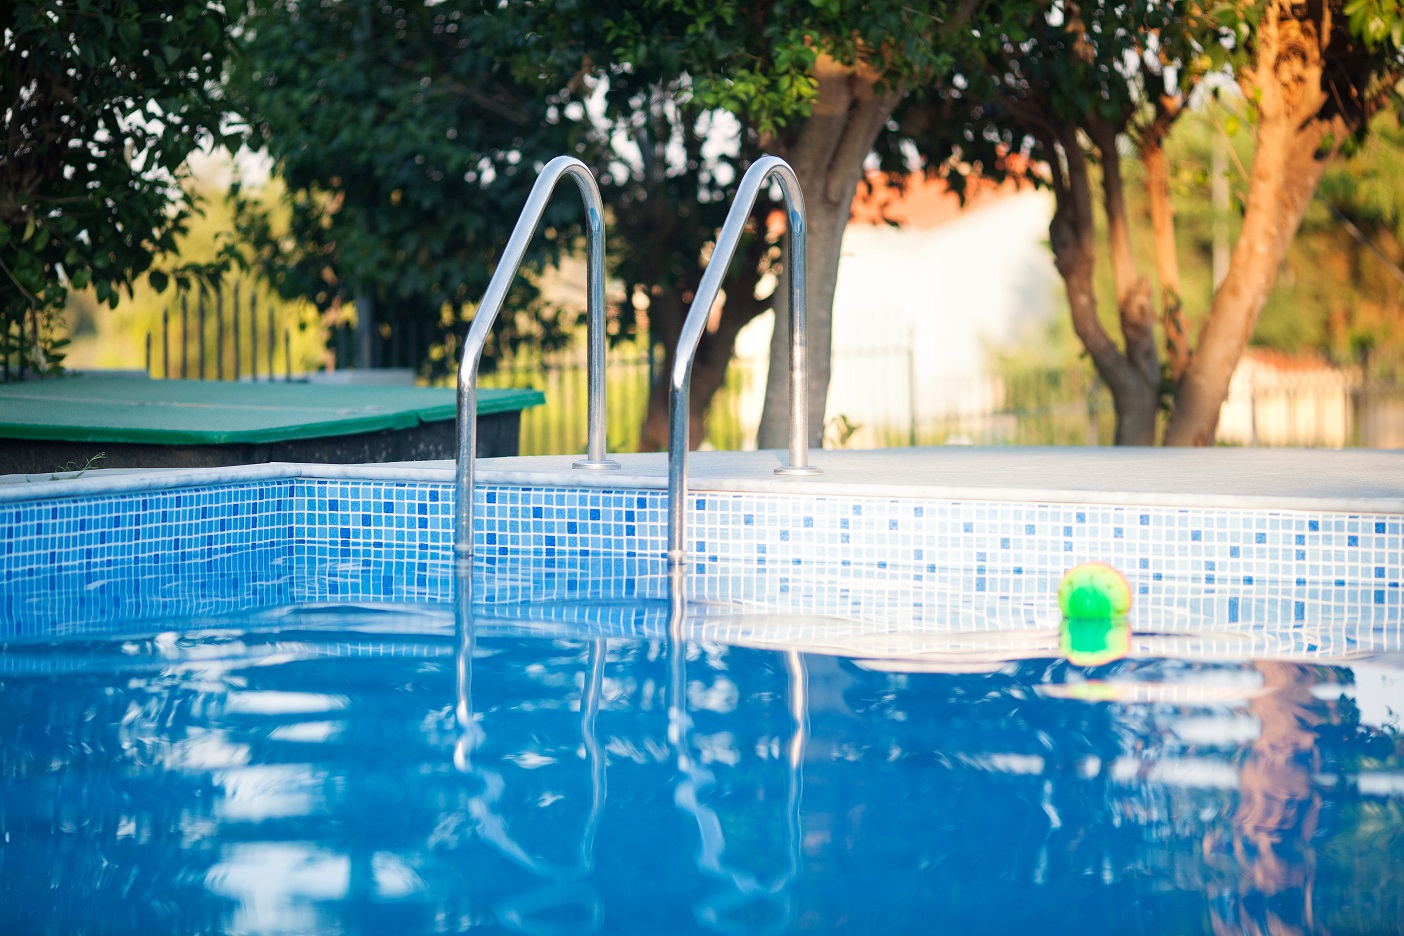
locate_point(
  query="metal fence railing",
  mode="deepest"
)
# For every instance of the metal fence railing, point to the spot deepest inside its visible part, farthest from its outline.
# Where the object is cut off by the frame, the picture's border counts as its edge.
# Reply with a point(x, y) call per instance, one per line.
point(222, 333)
point(559, 426)
point(880, 397)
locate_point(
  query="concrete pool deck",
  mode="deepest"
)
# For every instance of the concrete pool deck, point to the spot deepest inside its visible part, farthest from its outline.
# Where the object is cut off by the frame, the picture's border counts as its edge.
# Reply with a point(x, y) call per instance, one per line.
point(1346, 481)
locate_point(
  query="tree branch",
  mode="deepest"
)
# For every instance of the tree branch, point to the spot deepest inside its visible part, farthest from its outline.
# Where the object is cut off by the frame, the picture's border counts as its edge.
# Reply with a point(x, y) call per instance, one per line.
point(1071, 236)
point(1162, 212)
point(865, 120)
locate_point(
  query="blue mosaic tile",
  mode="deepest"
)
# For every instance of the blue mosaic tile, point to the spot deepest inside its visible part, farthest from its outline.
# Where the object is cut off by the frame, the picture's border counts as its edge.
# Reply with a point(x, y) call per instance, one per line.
point(963, 565)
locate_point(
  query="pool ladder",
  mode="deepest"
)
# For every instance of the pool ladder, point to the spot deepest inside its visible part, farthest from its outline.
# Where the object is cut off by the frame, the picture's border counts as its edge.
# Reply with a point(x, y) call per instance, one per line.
point(595, 458)
point(680, 379)
point(680, 388)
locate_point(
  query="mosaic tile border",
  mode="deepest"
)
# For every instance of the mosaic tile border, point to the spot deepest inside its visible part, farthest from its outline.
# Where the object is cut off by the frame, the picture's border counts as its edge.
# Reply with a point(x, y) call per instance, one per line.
point(903, 562)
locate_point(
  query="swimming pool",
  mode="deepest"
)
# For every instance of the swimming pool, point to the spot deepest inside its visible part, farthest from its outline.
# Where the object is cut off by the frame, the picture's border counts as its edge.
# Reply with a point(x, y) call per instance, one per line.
point(250, 701)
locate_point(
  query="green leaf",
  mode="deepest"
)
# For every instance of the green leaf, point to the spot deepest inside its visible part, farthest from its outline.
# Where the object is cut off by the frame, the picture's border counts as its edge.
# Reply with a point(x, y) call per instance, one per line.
point(159, 280)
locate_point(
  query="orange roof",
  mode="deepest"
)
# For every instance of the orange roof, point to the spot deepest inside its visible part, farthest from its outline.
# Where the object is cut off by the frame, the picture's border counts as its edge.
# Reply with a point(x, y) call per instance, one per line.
point(1288, 360)
point(921, 202)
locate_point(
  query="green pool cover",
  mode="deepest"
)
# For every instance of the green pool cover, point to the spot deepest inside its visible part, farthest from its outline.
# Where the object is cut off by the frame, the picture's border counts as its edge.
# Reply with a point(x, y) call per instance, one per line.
point(123, 408)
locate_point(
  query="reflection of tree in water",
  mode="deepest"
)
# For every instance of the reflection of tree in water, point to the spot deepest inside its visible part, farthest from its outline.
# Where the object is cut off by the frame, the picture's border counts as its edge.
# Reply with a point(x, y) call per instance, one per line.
point(969, 803)
point(1277, 812)
point(1317, 856)
point(1299, 855)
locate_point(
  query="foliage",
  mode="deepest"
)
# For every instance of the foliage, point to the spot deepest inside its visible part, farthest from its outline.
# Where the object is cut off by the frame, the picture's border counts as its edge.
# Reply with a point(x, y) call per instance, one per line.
point(407, 147)
point(759, 64)
point(102, 103)
point(117, 336)
point(1066, 95)
point(1336, 296)
point(1369, 188)
point(1378, 23)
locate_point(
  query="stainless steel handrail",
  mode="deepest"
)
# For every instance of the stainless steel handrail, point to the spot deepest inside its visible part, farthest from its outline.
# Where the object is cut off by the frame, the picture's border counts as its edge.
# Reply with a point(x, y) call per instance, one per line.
point(487, 314)
point(681, 379)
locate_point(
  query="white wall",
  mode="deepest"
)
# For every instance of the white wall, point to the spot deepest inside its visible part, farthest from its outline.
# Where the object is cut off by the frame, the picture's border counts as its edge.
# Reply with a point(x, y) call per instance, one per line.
point(947, 293)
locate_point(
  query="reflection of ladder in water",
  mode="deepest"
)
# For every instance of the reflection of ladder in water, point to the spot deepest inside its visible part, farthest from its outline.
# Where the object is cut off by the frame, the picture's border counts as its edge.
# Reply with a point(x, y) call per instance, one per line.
point(695, 778)
point(716, 912)
point(565, 887)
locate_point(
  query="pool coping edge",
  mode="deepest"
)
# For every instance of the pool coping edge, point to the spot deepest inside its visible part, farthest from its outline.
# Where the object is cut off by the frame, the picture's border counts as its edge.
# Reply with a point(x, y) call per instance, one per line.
point(39, 487)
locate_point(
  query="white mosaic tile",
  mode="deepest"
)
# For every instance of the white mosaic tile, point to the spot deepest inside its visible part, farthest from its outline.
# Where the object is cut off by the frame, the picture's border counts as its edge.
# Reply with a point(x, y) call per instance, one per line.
point(899, 563)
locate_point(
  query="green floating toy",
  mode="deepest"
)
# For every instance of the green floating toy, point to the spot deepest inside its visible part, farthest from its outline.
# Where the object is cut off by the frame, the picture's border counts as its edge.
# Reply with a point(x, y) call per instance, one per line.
point(1095, 600)
point(1094, 590)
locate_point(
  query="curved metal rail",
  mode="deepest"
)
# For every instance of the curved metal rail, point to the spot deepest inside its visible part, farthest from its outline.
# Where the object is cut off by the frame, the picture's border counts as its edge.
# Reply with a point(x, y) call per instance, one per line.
point(681, 379)
point(487, 314)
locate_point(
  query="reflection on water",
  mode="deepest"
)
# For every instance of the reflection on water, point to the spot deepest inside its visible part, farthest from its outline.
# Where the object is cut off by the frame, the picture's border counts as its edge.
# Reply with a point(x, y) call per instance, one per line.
point(1277, 811)
point(1094, 641)
point(388, 776)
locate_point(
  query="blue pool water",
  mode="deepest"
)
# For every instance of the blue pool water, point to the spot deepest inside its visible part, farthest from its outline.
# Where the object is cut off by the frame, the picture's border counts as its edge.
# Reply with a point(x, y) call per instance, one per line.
point(244, 704)
point(387, 769)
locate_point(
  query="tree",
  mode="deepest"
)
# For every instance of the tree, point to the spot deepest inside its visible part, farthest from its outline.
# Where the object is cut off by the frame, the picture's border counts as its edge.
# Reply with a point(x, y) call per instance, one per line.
point(668, 187)
point(407, 147)
point(1079, 89)
point(101, 104)
point(814, 83)
point(513, 83)
point(666, 205)
point(1314, 79)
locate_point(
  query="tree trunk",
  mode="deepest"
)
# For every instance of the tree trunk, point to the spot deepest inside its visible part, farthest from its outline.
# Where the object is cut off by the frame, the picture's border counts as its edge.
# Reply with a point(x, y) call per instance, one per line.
point(1072, 235)
point(1137, 386)
point(714, 350)
point(827, 155)
point(1278, 808)
point(365, 330)
point(665, 316)
point(709, 368)
point(1293, 147)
